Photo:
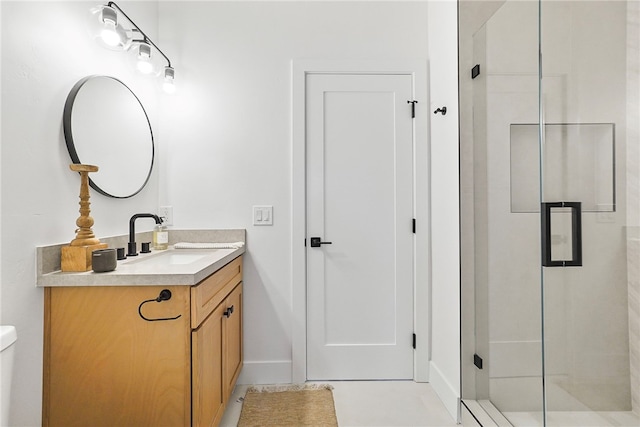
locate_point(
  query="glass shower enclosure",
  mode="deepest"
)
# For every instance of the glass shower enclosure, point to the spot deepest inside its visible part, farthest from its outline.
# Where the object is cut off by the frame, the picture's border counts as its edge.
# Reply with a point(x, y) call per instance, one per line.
point(550, 201)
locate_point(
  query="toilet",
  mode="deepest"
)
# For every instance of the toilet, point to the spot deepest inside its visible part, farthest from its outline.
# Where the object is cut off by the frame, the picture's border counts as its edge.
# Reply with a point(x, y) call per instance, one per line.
point(8, 338)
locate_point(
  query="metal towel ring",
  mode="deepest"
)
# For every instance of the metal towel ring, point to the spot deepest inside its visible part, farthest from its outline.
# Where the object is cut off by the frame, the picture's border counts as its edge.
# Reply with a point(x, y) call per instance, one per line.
point(165, 295)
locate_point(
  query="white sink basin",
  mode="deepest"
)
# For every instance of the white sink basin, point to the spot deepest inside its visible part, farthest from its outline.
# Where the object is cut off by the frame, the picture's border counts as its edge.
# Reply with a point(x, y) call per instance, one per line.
point(170, 258)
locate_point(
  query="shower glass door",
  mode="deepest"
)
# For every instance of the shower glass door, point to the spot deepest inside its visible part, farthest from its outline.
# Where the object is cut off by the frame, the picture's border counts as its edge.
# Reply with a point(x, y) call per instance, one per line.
point(550, 201)
point(584, 146)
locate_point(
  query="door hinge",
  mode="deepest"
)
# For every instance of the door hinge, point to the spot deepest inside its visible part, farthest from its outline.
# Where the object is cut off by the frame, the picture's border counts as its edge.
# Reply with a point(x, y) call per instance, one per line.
point(414, 341)
point(477, 360)
point(475, 71)
point(413, 108)
point(414, 226)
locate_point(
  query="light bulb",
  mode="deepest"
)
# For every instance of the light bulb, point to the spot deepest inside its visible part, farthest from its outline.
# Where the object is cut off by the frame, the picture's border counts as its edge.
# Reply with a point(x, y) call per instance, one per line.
point(169, 76)
point(112, 34)
point(169, 87)
point(144, 64)
point(109, 34)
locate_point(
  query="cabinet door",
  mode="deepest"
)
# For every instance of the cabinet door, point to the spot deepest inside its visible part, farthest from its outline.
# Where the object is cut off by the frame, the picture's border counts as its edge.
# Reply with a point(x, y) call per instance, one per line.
point(232, 339)
point(207, 372)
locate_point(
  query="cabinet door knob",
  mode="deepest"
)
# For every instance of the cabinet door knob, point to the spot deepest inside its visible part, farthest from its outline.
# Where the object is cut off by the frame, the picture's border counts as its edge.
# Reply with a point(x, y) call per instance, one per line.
point(228, 312)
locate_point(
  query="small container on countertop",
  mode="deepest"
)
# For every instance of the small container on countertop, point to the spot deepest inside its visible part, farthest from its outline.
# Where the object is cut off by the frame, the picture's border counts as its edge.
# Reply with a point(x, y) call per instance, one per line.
point(103, 260)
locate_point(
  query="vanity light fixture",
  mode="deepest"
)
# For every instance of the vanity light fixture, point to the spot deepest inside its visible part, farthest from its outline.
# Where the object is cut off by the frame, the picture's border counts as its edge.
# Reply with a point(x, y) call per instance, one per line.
point(115, 36)
point(168, 84)
point(144, 58)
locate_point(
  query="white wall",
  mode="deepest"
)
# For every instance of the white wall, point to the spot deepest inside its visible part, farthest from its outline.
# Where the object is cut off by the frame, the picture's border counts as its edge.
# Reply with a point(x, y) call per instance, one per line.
point(445, 205)
point(45, 50)
point(228, 142)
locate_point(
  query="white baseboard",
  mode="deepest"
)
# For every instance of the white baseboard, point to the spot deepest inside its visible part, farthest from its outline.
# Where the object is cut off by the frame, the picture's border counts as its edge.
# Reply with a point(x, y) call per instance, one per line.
point(266, 372)
point(445, 391)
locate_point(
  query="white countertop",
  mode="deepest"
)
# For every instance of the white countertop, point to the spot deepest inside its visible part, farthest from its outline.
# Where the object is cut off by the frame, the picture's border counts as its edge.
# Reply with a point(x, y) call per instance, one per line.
point(168, 267)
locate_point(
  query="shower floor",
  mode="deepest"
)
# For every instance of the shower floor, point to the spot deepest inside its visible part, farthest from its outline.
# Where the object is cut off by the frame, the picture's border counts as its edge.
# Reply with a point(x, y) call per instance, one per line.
point(491, 417)
point(574, 419)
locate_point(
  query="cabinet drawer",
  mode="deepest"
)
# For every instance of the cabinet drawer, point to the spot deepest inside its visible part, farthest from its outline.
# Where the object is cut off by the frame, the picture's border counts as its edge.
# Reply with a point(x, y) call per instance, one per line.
point(206, 295)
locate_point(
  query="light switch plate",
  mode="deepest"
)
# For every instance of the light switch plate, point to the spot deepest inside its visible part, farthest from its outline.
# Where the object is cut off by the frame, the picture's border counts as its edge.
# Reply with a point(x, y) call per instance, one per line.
point(263, 215)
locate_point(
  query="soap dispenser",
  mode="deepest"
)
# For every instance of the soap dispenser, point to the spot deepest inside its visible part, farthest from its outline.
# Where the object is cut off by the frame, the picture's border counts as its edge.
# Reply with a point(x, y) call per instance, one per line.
point(160, 237)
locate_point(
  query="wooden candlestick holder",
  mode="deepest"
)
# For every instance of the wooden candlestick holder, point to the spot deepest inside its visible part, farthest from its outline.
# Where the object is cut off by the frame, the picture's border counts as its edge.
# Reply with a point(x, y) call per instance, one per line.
point(77, 256)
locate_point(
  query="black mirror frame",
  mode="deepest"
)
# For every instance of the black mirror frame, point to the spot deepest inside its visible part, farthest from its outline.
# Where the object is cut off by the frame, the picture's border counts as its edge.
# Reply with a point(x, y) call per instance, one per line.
point(68, 134)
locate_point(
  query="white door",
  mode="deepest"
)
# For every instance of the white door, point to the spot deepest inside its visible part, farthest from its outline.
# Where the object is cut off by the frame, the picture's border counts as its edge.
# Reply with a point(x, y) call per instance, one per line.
point(359, 136)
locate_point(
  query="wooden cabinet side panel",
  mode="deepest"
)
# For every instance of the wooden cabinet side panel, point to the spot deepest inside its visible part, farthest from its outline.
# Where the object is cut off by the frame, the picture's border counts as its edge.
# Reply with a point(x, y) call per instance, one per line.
point(208, 394)
point(108, 366)
point(232, 340)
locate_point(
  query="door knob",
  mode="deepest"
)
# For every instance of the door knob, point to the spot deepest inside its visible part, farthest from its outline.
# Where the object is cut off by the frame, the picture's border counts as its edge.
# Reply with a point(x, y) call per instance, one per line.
point(316, 242)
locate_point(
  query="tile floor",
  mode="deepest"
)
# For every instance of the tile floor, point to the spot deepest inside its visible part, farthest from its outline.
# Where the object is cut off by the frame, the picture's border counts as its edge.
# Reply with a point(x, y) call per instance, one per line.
point(372, 403)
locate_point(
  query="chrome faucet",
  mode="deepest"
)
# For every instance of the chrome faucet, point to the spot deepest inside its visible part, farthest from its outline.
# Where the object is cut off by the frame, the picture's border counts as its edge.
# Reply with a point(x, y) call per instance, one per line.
point(132, 248)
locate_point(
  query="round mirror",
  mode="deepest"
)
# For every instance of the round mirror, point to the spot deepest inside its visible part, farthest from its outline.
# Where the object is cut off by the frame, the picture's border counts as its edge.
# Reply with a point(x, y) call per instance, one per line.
point(106, 125)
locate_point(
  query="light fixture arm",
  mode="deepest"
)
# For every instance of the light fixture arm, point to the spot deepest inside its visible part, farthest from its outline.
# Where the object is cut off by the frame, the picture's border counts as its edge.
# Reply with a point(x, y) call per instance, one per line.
point(146, 38)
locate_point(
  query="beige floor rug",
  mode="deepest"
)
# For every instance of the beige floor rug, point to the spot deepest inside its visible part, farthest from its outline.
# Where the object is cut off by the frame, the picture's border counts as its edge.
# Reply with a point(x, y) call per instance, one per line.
point(291, 405)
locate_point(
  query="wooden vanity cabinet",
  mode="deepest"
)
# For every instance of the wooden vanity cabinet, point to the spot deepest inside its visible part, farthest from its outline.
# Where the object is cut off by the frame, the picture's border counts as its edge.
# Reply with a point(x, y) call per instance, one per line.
point(106, 366)
point(232, 339)
point(218, 337)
